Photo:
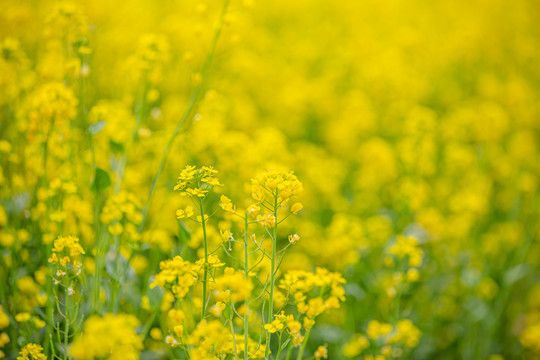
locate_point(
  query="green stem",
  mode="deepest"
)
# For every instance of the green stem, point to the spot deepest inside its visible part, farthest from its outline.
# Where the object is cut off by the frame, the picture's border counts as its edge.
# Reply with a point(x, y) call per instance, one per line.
point(43, 179)
point(148, 325)
point(116, 279)
point(203, 222)
point(97, 200)
point(49, 315)
point(140, 113)
point(289, 353)
point(272, 277)
point(66, 318)
point(398, 304)
point(246, 303)
point(232, 332)
point(280, 346)
point(301, 353)
point(100, 256)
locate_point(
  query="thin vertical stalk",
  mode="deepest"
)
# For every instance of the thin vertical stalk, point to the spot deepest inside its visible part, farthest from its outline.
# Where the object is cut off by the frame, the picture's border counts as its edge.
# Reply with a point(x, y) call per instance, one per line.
point(280, 346)
point(140, 114)
point(233, 334)
point(66, 317)
point(289, 353)
point(301, 352)
point(246, 302)
point(272, 276)
point(203, 221)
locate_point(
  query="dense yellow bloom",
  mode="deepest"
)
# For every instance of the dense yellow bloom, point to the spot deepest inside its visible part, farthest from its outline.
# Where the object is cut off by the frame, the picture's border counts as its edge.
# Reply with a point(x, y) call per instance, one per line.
point(276, 185)
point(232, 286)
point(186, 213)
point(66, 19)
point(110, 337)
point(14, 67)
point(50, 103)
point(196, 182)
point(152, 53)
point(406, 333)
point(4, 339)
point(407, 246)
point(267, 220)
point(274, 326)
point(303, 285)
point(22, 317)
point(226, 204)
point(31, 294)
point(175, 317)
point(355, 346)
point(179, 273)
point(412, 275)
point(4, 320)
point(66, 250)
point(213, 262)
point(118, 121)
point(210, 337)
point(156, 334)
point(321, 352)
point(122, 212)
point(4, 323)
point(32, 352)
point(253, 209)
point(377, 329)
point(530, 336)
point(159, 238)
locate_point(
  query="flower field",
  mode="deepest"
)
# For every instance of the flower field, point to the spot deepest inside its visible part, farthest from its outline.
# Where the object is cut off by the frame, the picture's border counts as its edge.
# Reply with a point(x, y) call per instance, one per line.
point(248, 179)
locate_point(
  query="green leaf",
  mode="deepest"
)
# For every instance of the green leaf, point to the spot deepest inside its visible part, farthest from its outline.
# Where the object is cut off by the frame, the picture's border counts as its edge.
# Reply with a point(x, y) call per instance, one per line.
point(117, 267)
point(102, 180)
point(516, 273)
point(116, 147)
point(95, 128)
point(183, 232)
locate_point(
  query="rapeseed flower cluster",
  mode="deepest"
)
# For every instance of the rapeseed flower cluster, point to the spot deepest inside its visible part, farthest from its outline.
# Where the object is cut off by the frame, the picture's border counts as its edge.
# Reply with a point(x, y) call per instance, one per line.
point(196, 182)
point(180, 274)
point(32, 352)
point(67, 251)
point(276, 186)
point(384, 339)
point(112, 336)
point(122, 214)
point(302, 285)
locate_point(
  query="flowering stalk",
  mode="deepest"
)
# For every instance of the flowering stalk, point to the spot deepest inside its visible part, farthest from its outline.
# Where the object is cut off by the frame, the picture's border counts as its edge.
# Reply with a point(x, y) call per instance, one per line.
point(116, 282)
point(205, 285)
point(66, 255)
point(272, 190)
point(301, 352)
point(272, 273)
point(196, 183)
point(232, 331)
point(66, 316)
point(246, 302)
